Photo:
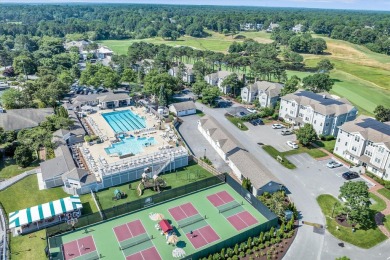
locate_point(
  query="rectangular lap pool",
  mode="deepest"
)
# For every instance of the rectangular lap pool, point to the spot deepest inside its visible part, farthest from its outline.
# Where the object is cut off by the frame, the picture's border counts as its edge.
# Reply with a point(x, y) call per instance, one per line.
point(124, 121)
point(130, 145)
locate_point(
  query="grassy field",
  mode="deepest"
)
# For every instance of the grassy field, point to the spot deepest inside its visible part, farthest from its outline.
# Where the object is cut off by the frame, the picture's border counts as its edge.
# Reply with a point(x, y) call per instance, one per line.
point(386, 222)
point(186, 175)
point(8, 169)
point(360, 75)
point(379, 204)
point(216, 42)
point(275, 153)
point(28, 247)
point(385, 192)
point(361, 238)
point(25, 193)
point(327, 145)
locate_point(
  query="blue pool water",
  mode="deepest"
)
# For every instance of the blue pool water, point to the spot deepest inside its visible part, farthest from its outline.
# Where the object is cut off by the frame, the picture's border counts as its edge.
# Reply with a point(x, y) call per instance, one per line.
point(129, 145)
point(124, 121)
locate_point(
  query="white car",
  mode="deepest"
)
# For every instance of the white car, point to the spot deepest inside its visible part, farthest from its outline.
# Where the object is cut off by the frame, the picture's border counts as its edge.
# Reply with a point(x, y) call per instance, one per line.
point(333, 164)
point(277, 126)
point(292, 144)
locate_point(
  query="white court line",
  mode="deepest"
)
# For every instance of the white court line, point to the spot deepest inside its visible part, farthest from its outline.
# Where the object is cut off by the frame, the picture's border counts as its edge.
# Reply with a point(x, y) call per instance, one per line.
point(78, 247)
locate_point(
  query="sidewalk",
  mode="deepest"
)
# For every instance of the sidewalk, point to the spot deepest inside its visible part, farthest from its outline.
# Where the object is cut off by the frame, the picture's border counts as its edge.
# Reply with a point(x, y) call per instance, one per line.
point(5, 184)
point(386, 212)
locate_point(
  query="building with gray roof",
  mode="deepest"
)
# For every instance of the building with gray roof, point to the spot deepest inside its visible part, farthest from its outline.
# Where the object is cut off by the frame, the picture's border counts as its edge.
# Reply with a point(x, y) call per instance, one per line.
point(243, 164)
point(366, 141)
point(267, 93)
point(183, 108)
point(18, 119)
point(324, 112)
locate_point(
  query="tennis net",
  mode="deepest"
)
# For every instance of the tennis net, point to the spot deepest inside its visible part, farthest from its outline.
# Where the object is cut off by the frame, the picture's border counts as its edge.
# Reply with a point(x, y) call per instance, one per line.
point(134, 242)
point(188, 222)
point(228, 206)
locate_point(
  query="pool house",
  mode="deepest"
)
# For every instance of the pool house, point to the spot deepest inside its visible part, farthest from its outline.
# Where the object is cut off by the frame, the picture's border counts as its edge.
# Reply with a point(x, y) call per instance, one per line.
point(113, 100)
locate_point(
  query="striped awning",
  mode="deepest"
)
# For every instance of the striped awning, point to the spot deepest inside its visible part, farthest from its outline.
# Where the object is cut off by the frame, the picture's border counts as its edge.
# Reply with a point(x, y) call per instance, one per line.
point(44, 211)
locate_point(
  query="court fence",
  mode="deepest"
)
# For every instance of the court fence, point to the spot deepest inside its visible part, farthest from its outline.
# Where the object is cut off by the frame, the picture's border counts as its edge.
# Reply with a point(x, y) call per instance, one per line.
point(4, 235)
point(135, 205)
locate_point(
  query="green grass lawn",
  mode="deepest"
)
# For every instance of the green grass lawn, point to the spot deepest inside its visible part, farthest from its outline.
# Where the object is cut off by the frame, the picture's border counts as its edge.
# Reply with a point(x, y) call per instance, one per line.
point(385, 192)
point(312, 151)
point(327, 145)
point(25, 193)
point(274, 153)
point(361, 238)
point(25, 247)
point(9, 168)
point(236, 121)
point(379, 205)
point(200, 113)
point(183, 176)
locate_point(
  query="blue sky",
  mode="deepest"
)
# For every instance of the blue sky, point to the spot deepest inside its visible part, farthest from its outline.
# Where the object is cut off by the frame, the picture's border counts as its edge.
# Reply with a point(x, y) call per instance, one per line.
point(383, 5)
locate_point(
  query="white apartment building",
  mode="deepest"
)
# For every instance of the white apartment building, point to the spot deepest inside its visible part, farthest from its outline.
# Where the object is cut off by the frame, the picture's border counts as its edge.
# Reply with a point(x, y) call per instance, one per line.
point(366, 141)
point(268, 93)
point(216, 79)
point(322, 111)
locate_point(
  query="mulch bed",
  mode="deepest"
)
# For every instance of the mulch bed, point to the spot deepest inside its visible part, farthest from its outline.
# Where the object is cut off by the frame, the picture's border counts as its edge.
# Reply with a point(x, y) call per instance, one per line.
point(342, 221)
point(282, 249)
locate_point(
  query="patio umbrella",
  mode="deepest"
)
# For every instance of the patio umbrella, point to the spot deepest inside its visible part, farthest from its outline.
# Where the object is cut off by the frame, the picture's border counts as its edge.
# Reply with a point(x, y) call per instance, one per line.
point(178, 252)
point(144, 175)
point(156, 216)
point(173, 239)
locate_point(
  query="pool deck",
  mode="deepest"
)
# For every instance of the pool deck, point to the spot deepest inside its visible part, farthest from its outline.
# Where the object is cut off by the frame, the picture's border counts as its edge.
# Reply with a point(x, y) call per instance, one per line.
point(97, 150)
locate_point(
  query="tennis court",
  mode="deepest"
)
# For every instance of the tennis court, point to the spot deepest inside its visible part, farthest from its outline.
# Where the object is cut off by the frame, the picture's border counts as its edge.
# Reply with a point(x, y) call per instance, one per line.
point(135, 235)
point(232, 210)
point(83, 248)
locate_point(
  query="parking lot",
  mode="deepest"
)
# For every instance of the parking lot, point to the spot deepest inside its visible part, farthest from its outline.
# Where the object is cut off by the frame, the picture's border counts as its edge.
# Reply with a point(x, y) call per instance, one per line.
point(317, 177)
point(267, 135)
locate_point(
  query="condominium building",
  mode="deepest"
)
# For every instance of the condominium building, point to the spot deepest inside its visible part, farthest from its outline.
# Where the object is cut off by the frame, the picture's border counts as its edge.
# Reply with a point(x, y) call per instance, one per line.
point(366, 141)
point(322, 111)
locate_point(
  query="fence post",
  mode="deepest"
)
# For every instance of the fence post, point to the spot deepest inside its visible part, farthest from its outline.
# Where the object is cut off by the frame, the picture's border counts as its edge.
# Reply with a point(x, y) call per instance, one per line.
point(97, 205)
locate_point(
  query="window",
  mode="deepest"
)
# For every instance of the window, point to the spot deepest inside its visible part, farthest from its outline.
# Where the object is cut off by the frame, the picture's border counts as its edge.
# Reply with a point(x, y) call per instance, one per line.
point(300, 115)
point(338, 140)
point(315, 121)
point(381, 149)
point(327, 124)
point(281, 107)
point(354, 148)
point(321, 124)
point(286, 108)
point(291, 112)
point(377, 160)
point(357, 138)
point(346, 143)
point(293, 104)
point(337, 148)
point(306, 118)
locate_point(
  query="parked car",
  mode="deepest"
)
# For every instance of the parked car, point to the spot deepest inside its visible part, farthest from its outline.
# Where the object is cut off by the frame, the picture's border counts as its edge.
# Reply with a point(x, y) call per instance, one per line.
point(292, 144)
point(257, 122)
point(253, 122)
point(286, 132)
point(350, 175)
point(277, 126)
point(333, 164)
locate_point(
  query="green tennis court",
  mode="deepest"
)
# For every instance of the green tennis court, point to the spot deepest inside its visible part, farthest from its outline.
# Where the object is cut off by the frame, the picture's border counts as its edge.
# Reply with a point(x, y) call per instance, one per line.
point(142, 237)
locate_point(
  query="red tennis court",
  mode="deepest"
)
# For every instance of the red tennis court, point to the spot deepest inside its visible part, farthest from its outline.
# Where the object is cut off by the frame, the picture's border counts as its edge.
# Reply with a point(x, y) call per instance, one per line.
point(202, 236)
point(183, 211)
point(220, 198)
point(242, 220)
point(129, 230)
point(150, 253)
point(78, 247)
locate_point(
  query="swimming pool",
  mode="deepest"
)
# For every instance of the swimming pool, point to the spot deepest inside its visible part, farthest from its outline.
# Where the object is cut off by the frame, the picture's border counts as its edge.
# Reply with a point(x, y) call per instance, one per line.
point(129, 145)
point(124, 121)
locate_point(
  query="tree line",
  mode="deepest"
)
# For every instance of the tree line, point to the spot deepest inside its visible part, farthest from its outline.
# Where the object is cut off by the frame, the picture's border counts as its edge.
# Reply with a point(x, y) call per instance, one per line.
point(99, 22)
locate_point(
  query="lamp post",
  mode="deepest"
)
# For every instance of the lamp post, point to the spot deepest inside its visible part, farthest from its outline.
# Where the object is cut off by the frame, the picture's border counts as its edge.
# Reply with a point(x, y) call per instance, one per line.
point(204, 153)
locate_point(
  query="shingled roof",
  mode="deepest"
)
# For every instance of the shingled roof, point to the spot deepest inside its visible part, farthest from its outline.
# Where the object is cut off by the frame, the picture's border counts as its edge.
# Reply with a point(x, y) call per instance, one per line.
point(370, 129)
point(183, 106)
point(249, 166)
point(322, 103)
point(17, 119)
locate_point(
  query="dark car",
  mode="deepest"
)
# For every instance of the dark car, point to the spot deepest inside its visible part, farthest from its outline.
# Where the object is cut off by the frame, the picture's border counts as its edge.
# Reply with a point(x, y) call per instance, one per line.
point(253, 122)
point(350, 175)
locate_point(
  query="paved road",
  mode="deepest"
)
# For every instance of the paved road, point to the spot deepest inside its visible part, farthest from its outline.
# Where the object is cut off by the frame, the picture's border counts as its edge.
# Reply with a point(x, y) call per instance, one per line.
point(308, 245)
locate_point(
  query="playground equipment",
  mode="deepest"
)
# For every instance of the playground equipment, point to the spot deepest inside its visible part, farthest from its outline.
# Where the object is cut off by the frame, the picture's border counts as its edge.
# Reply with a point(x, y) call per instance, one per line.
point(119, 195)
point(154, 183)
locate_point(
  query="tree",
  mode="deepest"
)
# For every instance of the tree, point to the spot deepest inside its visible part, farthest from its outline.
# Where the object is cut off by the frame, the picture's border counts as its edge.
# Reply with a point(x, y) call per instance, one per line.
point(199, 86)
point(306, 134)
point(318, 82)
point(382, 113)
point(246, 184)
point(210, 94)
point(357, 205)
point(162, 97)
point(12, 98)
point(233, 82)
point(129, 75)
point(290, 86)
point(23, 155)
point(343, 258)
point(324, 66)
point(153, 82)
point(24, 65)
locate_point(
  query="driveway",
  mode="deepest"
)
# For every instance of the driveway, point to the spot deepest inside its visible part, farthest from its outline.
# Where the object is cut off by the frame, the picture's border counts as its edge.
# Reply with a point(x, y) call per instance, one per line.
point(308, 244)
point(198, 144)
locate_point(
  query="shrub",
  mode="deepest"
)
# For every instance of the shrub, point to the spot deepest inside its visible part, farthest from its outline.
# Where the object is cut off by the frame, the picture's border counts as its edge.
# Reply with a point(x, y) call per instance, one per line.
point(248, 251)
point(267, 244)
point(242, 254)
point(235, 257)
point(261, 246)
